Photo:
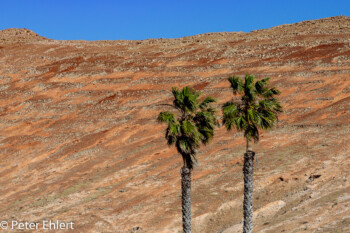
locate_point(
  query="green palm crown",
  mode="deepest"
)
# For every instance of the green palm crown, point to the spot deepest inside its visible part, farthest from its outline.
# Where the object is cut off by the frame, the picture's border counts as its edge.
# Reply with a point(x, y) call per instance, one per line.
point(258, 108)
point(193, 124)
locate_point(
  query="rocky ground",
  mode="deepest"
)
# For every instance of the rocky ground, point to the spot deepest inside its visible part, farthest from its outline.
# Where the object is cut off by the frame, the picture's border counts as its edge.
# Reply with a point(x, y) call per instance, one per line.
point(79, 139)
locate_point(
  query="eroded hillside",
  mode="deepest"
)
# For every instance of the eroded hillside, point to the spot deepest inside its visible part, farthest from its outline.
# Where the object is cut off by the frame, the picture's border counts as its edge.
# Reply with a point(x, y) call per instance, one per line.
point(79, 139)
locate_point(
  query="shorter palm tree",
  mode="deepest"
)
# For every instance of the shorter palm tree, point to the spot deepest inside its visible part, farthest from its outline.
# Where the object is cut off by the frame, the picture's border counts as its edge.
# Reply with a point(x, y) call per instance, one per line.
point(193, 124)
point(257, 110)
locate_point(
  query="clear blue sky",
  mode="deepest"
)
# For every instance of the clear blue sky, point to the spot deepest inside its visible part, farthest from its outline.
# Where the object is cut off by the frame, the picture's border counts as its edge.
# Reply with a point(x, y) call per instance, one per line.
point(142, 19)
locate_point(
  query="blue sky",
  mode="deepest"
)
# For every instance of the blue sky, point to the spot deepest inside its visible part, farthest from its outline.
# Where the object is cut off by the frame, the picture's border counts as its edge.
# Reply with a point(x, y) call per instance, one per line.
point(143, 19)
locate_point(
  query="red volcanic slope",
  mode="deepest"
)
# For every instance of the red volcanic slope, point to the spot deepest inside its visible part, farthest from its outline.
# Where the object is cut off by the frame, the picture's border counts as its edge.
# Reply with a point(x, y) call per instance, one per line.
point(79, 139)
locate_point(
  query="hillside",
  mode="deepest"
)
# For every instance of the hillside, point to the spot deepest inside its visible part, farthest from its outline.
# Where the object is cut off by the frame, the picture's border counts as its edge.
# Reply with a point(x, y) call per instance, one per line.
point(79, 139)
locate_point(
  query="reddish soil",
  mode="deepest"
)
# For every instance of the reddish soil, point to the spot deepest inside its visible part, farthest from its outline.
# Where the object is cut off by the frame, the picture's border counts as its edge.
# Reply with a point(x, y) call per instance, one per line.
point(79, 139)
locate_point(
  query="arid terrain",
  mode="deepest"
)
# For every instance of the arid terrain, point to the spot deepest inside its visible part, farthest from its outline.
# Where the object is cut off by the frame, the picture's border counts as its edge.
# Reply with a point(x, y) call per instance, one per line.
point(79, 140)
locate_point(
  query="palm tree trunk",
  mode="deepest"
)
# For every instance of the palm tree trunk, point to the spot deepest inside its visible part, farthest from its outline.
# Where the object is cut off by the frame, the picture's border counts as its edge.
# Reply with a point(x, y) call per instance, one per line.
point(248, 169)
point(186, 199)
point(248, 148)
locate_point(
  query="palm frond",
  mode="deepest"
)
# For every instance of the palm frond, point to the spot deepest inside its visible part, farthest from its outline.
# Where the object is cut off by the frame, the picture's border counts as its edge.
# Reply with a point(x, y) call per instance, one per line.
point(268, 110)
point(186, 146)
point(240, 122)
point(251, 132)
point(253, 115)
point(236, 84)
point(230, 109)
point(261, 86)
point(194, 126)
point(190, 99)
point(231, 115)
point(271, 92)
point(206, 122)
point(186, 100)
point(206, 116)
point(189, 129)
point(249, 89)
point(172, 132)
point(167, 117)
point(271, 105)
point(206, 102)
point(249, 80)
point(178, 100)
point(258, 108)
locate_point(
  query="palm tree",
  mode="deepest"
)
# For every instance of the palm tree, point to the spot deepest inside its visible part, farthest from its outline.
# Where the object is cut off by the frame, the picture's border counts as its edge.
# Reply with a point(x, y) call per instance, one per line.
point(193, 124)
point(257, 110)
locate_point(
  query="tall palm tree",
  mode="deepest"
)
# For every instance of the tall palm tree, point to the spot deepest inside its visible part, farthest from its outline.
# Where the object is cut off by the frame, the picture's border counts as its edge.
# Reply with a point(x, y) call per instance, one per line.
point(257, 110)
point(193, 124)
